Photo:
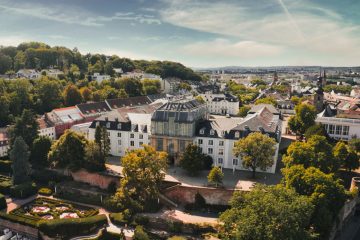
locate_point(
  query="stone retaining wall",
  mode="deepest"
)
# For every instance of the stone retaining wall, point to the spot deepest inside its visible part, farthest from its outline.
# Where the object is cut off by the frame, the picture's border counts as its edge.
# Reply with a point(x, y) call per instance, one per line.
point(30, 232)
point(95, 179)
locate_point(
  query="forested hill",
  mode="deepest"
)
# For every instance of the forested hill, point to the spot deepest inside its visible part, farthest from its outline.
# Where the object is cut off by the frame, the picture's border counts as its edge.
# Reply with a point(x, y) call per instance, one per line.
point(36, 55)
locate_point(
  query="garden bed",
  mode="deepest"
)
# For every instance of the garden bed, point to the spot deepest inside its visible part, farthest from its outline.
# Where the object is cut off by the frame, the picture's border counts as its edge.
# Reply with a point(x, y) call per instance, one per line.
point(49, 209)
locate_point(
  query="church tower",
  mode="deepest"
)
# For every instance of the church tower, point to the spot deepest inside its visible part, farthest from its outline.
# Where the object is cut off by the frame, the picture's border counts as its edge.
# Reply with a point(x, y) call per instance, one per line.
point(319, 94)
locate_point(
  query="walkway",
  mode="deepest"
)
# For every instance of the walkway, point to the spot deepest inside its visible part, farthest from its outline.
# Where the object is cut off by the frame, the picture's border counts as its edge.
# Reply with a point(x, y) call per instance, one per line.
point(185, 217)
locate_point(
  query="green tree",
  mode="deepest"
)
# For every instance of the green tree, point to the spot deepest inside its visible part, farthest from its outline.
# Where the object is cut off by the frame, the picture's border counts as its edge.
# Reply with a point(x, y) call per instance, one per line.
point(192, 160)
point(102, 140)
point(4, 110)
point(26, 127)
point(256, 151)
point(215, 176)
point(267, 212)
point(266, 100)
point(19, 155)
point(69, 151)
point(143, 173)
point(200, 99)
point(108, 68)
point(72, 95)
point(39, 152)
point(151, 86)
point(132, 87)
point(94, 158)
point(304, 118)
point(243, 111)
point(5, 63)
point(325, 191)
point(140, 234)
point(48, 93)
point(185, 86)
point(316, 152)
point(348, 159)
point(316, 129)
point(86, 94)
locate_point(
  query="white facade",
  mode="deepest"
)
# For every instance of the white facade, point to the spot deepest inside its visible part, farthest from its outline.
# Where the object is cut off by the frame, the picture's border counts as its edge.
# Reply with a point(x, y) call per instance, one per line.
point(82, 128)
point(121, 141)
point(99, 78)
point(341, 128)
point(221, 151)
point(220, 104)
point(4, 142)
point(48, 132)
point(28, 73)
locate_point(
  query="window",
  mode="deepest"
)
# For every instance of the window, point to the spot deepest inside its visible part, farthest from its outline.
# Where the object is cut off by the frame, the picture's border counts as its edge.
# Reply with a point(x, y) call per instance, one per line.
point(211, 142)
point(132, 143)
point(119, 126)
point(237, 134)
point(221, 151)
point(331, 129)
point(131, 135)
point(210, 151)
point(338, 130)
point(182, 144)
point(141, 143)
point(119, 142)
point(212, 132)
point(200, 141)
point(119, 134)
point(159, 144)
point(345, 130)
point(220, 161)
point(108, 125)
point(201, 149)
point(201, 131)
point(141, 136)
point(221, 143)
point(235, 162)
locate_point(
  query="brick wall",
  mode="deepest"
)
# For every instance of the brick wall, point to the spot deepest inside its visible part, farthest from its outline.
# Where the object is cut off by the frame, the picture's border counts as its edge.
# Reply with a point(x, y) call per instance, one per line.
point(95, 179)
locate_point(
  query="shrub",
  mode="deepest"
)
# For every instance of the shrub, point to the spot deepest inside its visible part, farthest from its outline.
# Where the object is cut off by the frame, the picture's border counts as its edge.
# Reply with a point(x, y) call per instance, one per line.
point(23, 190)
point(118, 219)
point(175, 226)
point(5, 166)
point(112, 187)
point(5, 185)
point(76, 197)
point(142, 220)
point(3, 203)
point(22, 219)
point(111, 204)
point(140, 234)
point(67, 228)
point(45, 191)
point(177, 238)
point(45, 176)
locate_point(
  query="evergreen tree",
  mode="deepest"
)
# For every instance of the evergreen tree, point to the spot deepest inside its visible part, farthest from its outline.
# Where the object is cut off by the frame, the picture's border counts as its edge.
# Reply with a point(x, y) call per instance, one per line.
point(25, 126)
point(19, 155)
point(40, 150)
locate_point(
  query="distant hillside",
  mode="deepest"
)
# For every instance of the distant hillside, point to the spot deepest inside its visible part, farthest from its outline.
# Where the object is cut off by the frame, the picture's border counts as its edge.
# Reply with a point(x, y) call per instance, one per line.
point(37, 55)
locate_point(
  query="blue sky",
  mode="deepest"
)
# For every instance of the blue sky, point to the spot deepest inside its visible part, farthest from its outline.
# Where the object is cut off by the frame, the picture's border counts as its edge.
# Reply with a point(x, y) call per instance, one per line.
point(198, 33)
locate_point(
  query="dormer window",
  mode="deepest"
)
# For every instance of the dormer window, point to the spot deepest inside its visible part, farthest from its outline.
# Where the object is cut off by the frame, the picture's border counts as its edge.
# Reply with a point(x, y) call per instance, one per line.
point(119, 126)
point(107, 125)
point(201, 131)
point(212, 132)
point(97, 124)
point(237, 134)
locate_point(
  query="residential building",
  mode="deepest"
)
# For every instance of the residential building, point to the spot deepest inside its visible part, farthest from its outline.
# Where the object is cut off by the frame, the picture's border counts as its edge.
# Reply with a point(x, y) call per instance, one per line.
point(53, 73)
point(82, 128)
point(46, 128)
point(173, 126)
point(217, 136)
point(170, 85)
point(221, 103)
point(28, 73)
point(99, 77)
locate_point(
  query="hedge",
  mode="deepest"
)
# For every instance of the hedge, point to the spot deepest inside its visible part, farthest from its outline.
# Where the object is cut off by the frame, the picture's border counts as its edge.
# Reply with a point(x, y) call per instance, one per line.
point(5, 185)
point(118, 219)
point(67, 228)
point(3, 203)
point(92, 200)
point(45, 191)
point(22, 219)
point(5, 166)
point(46, 176)
point(23, 190)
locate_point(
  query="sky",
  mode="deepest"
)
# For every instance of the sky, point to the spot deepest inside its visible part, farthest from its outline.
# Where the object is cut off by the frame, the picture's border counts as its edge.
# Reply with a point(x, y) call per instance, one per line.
point(197, 33)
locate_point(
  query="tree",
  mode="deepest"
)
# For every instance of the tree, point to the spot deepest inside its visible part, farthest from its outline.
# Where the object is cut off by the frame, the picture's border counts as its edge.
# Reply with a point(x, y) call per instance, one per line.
point(185, 86)
point(304, 118)
point(26, 127)
point(94, 158)
point(140, 234)
point(69, 151)
point(108, 68)
point(267, 212)
point(5, 63)
point(348, 159)
point(316, 152)
point(39, 152)
point(4, 110)
point(266, 100)
point(143, 172)
point(151, 86)
point(316, 129)
point(86, 94)
point(215, 176)
point(48, 93)
point(19, 155)
point(133, 87)
point(243, 111)
point(256, 151)
point(200, 99)
point(325, 191)
point(72, 95)
point(192, 160)
point(102, 140)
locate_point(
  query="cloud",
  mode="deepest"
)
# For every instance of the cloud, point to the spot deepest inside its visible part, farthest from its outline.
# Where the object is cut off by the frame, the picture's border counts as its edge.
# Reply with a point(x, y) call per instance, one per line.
point(13, 40)
point(225, 48)
point(74, 15)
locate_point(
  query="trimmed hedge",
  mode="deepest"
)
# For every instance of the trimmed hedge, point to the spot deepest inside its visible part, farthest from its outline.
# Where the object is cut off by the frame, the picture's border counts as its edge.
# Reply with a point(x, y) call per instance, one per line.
point(22, 219)
point(5, 185)
point(23, 190)
point(45, 191)
point(5, 166)
point(3, 204)
point(79, 198)
point(67, 228)
point(45, 176)
point(118, 219)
